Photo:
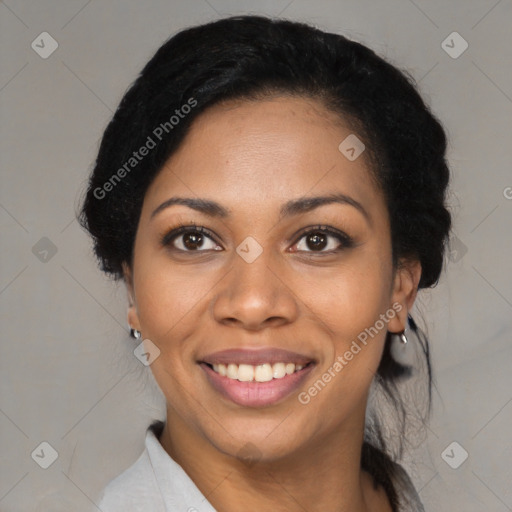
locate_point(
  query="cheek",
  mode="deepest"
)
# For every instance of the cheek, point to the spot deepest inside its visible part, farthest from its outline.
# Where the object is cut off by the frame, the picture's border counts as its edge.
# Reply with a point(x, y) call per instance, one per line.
point(169, 304)
point(349, 299)
point(172, 299)
point(167, 301)
point(351, 305)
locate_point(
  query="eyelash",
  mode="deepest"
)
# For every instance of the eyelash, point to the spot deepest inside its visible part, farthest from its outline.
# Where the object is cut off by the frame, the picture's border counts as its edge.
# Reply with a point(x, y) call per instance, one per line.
point(345, 240)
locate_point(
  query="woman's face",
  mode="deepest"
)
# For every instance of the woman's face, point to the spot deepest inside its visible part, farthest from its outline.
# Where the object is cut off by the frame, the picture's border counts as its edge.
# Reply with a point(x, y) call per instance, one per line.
point(255, 279)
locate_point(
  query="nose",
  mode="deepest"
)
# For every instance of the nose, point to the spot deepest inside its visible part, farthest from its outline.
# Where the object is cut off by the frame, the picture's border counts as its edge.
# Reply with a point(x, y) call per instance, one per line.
point(255, 295)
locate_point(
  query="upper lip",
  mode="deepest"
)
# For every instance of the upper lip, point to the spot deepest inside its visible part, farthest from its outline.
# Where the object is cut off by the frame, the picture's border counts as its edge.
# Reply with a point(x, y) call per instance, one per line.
point(256, 357)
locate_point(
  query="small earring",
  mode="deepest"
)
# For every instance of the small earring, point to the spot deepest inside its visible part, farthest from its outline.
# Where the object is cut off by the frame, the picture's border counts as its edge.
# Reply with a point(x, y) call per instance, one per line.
point(135, 334)
point(403, 338)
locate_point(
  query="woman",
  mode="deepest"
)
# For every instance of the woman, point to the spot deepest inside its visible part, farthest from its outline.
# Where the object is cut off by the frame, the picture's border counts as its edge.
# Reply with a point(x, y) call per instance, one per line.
point(273, 196)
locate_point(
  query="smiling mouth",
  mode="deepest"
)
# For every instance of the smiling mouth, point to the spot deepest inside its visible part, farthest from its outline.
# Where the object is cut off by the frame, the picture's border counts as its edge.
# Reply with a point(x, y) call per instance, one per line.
point(261, 388)
point(252, 377)
point(256, 373)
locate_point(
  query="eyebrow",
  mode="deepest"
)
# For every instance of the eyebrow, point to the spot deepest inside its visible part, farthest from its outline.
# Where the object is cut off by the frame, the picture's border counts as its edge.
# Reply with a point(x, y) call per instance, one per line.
point(293, 207)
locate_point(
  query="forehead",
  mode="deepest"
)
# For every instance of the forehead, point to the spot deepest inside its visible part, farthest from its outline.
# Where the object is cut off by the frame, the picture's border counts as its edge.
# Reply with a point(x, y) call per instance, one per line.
point(245, 153)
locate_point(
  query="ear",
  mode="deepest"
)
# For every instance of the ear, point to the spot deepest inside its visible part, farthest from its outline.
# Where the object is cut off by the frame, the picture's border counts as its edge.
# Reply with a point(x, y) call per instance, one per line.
point(405, 289)
point(133, 316)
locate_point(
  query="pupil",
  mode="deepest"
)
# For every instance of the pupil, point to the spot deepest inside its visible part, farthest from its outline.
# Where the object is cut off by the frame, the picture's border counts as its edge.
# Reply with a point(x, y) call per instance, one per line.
point(191, 240)
point(316, 239)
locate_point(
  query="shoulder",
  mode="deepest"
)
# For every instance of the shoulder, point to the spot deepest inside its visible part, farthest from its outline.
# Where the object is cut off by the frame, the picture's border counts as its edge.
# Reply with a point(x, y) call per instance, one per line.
point(135, 489)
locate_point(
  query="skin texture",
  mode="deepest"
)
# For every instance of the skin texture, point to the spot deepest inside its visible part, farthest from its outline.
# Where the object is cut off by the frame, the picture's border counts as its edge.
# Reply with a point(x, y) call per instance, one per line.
point(252, 157)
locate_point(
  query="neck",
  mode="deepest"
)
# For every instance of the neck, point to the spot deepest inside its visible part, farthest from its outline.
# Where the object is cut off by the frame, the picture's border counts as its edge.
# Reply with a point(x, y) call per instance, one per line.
point(324, 475)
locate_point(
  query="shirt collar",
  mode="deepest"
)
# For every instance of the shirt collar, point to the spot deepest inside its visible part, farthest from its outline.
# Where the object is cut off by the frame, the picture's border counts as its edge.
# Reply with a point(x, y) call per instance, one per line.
point(178, 490)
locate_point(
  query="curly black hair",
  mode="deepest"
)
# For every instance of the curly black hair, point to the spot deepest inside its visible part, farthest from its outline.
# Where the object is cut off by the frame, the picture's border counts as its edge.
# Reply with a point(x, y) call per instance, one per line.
point(253, 57)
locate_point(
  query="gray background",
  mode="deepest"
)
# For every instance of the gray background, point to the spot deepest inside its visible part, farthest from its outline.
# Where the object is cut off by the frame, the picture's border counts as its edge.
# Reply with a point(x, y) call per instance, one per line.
point(68, 374)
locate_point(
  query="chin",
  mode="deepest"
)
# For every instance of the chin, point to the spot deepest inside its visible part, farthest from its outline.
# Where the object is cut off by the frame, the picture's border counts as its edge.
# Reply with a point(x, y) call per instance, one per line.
point(264, 444)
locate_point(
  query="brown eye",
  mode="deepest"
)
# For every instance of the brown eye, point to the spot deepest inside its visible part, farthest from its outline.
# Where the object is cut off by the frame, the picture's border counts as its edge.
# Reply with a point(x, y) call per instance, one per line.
point(323, 240)
point(190, 239)
point(316, 241)
point(193, 241)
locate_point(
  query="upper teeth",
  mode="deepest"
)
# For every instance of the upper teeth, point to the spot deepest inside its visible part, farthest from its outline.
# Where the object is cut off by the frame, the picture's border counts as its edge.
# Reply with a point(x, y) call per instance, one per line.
point(259, 373)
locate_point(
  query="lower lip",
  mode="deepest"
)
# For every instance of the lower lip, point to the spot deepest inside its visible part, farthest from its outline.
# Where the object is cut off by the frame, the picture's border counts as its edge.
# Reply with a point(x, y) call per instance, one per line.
point(256, 394)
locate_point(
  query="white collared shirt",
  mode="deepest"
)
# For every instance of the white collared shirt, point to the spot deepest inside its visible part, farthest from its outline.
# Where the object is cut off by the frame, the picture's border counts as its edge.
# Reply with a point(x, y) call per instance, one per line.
point(153, 483)
point(157, 483)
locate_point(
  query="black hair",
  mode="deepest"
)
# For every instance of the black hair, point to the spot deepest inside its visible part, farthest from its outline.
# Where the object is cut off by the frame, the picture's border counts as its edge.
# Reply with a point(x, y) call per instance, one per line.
point(253, 57)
